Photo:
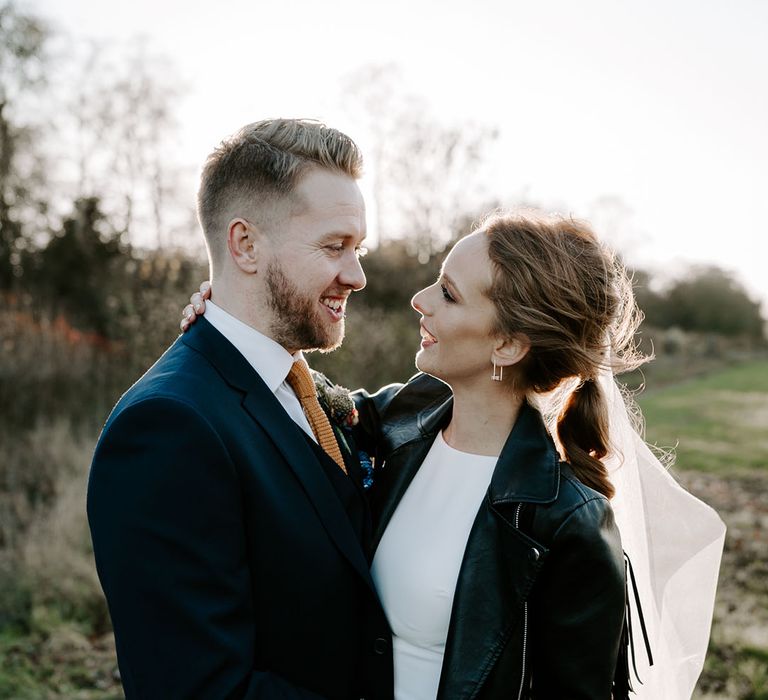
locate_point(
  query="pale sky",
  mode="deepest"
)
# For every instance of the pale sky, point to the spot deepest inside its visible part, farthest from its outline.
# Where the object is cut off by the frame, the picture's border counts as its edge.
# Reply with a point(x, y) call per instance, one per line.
point(660, 103)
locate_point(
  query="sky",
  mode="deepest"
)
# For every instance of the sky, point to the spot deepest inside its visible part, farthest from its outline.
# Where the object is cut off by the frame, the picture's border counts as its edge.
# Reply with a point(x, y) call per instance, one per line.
point(656, 109)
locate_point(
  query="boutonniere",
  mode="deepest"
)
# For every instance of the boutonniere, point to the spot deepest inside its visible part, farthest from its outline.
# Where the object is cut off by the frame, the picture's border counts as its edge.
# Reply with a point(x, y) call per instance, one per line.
point(338, 403)
point(337, 400)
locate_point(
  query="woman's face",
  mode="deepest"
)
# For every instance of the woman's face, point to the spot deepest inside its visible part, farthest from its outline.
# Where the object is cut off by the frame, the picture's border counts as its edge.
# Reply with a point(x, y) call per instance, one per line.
point(457, 316)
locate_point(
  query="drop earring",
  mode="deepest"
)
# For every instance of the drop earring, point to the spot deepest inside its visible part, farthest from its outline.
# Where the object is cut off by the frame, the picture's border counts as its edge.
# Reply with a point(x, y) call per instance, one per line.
point(497, 377)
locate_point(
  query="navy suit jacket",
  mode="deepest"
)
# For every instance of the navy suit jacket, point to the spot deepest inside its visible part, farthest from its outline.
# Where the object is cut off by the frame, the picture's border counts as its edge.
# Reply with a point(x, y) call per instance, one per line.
point(229, 565)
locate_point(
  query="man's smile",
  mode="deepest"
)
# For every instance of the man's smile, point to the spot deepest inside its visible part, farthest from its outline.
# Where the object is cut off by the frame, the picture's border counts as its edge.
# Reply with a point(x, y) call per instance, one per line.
point(336, 306)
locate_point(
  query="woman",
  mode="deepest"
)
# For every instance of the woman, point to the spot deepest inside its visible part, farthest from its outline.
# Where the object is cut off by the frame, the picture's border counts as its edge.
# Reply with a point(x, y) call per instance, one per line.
point(500, 566)
point(498, 559)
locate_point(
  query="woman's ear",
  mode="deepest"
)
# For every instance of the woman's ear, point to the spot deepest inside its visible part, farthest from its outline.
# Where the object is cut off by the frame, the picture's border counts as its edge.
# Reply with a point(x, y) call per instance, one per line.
point(244, 242)
point(510, 351)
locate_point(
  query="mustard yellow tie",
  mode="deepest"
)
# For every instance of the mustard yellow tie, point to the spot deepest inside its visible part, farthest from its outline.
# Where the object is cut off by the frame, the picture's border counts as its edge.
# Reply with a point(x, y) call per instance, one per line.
point(301, 382)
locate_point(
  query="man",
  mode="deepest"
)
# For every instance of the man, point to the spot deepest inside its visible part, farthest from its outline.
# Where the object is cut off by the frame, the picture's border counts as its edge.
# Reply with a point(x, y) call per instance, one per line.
point(227, 520)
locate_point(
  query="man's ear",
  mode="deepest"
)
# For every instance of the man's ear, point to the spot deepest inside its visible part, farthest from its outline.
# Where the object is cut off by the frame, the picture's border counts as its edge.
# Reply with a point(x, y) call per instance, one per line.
point(510, 351)
point(244, 241)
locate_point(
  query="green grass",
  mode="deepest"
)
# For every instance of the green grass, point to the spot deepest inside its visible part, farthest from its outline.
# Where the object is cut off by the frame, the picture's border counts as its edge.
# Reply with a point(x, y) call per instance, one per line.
point(59, 665)
point(736, 673)
point(716, 423)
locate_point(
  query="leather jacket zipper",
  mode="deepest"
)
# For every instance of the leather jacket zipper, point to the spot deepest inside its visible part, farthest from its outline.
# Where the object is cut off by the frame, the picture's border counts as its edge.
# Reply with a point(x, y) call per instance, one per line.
point(525, 618)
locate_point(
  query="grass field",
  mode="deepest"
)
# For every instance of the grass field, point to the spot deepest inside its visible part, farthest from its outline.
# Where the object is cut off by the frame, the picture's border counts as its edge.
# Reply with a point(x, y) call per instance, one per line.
point(718, 423)
point(717, 426)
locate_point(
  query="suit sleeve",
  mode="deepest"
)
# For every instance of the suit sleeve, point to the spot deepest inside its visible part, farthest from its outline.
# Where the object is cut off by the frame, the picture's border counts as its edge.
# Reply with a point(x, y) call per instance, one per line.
point(164, 508)
point(576, 622)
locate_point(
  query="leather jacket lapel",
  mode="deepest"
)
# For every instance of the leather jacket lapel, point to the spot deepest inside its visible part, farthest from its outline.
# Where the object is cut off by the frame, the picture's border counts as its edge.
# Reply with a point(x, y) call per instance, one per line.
point(392, 479)
point(496, 576)
point(527, 470)
point(406, 444)
point(529, 466)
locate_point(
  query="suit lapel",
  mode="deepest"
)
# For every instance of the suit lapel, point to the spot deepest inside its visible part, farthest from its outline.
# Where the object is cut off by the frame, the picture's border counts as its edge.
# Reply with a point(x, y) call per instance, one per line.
point(283, 433)
point(262, 406)
point(346, 445)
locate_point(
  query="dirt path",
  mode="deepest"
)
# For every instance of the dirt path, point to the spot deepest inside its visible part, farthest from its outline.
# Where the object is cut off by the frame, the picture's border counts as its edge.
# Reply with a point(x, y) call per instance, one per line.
point(737, 663)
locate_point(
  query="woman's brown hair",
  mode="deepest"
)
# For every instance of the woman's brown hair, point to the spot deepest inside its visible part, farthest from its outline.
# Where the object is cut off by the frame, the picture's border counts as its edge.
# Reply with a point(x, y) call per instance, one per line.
point(557, 286)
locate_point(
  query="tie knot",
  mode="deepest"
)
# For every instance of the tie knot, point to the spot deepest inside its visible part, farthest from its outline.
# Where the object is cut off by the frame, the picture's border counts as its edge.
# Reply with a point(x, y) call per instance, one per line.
point(301, 380)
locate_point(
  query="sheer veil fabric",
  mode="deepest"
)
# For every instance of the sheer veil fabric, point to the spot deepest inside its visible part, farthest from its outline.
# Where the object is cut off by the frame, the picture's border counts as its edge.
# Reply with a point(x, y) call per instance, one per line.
point(674, 542)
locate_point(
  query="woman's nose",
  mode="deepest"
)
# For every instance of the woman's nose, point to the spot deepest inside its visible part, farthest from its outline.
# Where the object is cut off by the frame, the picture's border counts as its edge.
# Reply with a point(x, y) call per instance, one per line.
point(419, 300)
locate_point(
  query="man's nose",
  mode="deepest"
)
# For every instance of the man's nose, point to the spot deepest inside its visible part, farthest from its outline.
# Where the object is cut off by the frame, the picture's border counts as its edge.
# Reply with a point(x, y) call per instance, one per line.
point(352, 275)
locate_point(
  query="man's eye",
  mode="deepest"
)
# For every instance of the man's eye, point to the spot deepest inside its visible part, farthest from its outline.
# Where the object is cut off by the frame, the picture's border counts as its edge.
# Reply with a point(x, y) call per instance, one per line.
point(361, 251)
point(446, 294)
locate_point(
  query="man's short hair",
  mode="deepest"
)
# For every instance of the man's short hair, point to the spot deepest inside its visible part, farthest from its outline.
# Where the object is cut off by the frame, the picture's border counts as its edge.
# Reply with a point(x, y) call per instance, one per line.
point(254, 172)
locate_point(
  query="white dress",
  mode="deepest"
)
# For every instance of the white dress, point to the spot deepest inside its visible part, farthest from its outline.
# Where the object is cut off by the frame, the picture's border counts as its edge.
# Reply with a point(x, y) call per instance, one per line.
point(418, 559)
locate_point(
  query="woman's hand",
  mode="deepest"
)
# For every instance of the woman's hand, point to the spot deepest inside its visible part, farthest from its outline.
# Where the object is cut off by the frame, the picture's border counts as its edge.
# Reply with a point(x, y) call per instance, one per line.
point(196, 306)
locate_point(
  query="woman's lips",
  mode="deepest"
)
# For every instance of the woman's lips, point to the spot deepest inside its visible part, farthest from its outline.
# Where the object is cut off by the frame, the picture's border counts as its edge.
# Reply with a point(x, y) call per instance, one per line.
point(427, 339)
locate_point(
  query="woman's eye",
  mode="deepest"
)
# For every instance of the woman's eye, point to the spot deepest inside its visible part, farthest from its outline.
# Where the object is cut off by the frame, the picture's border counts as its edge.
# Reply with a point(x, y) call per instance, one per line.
point(446, 294)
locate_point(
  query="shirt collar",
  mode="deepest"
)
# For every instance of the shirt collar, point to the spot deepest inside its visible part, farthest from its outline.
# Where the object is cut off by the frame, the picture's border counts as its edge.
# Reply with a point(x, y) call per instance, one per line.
point(271, 360)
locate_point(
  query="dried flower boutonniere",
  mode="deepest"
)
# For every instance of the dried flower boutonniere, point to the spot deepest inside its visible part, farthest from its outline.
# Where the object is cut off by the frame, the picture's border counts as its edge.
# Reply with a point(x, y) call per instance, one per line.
point(337, 400)
point(341, 409)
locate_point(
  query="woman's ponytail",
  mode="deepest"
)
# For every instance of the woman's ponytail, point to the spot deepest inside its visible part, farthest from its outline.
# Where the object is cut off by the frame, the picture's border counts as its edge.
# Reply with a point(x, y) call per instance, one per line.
point(582, 429)
point(556, 285)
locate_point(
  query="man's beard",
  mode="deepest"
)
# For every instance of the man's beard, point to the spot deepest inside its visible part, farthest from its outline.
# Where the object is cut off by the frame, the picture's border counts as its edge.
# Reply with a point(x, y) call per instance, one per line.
point(297, 323)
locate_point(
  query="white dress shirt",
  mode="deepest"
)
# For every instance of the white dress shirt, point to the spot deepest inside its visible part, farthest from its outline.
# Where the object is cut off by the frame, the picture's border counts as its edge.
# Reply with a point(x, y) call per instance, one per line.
point(271, 360)
point(417, 562)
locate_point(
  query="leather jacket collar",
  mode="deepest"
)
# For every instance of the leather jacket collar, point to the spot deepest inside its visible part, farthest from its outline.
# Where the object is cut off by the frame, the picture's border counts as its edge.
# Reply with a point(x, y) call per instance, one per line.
point(528, 469)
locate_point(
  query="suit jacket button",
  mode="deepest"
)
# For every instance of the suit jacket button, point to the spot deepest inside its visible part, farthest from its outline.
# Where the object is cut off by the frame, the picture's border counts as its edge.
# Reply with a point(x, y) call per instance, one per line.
point(534, 554)
point(381, 645)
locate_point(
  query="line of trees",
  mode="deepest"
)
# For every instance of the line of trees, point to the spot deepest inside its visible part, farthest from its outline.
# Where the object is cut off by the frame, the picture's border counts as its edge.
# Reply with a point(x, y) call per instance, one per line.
point(87, 173)
point(706, 299)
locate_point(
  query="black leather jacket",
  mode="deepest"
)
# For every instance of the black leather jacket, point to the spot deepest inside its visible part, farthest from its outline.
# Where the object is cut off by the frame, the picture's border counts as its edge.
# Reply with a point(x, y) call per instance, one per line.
point(539, 605)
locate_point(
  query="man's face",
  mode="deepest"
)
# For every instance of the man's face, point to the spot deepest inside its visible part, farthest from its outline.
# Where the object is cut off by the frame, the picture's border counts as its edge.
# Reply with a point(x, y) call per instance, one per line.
point(314, 263)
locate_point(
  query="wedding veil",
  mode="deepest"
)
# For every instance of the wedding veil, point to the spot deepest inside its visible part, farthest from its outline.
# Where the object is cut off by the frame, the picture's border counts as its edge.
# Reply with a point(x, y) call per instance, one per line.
point(674, 542)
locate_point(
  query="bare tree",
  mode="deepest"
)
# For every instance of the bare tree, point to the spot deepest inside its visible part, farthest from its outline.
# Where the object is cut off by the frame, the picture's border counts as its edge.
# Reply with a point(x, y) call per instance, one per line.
point(426, 173)
point(124, 116)
point(22, 74)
